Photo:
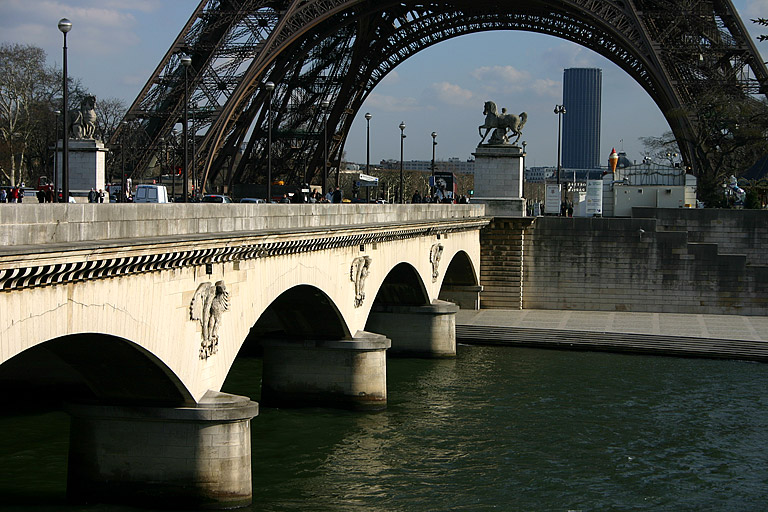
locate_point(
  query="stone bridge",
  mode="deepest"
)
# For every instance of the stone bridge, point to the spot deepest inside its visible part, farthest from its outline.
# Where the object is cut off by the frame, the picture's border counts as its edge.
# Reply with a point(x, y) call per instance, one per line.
point(132, 315)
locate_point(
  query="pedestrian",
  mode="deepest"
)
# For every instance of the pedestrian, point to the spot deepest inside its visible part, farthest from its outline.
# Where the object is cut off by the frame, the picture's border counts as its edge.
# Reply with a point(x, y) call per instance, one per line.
point(14, 195)
point(101, 196)
point(92, 196)
point(41, 196)
point(416, 199)
point(337, 196)
point(3, 195)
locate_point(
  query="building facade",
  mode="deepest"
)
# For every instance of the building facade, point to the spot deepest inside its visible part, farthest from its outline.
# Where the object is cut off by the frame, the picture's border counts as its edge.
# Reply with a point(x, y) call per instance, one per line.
point(582, 91)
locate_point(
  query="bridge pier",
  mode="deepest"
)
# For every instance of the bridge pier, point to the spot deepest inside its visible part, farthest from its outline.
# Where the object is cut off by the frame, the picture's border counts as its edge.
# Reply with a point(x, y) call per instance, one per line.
point(342, 373)
point(422, 331)
point(182, 457)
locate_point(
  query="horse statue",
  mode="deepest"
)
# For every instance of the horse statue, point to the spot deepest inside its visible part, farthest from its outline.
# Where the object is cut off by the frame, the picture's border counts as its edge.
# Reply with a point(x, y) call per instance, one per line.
point(501, 122)
point(83, 124)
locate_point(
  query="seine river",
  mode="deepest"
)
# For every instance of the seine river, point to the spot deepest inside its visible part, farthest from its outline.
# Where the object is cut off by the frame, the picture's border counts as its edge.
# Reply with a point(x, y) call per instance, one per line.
point(497, 428)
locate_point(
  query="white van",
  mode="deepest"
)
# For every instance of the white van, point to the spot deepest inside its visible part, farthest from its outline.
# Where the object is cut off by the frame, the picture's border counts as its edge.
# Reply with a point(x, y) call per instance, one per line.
point(150, 194)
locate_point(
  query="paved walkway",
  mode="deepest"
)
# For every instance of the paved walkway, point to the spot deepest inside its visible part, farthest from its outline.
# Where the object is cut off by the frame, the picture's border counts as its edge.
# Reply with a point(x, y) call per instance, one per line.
point(729, 327)
point(719, 336)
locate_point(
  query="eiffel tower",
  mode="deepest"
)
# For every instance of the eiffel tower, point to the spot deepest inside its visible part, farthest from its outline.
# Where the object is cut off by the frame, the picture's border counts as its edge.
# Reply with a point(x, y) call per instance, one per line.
point(335, 52)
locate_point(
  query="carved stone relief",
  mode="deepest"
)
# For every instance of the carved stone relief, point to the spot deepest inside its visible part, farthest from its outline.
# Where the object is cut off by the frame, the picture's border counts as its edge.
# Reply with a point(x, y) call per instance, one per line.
point(357, 275)
point(208, 303)
point(435, 253)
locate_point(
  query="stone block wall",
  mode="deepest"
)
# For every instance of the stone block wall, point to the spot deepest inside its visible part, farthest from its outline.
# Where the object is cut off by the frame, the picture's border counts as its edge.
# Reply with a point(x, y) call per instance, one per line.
point(636, 264)
point(734, 231)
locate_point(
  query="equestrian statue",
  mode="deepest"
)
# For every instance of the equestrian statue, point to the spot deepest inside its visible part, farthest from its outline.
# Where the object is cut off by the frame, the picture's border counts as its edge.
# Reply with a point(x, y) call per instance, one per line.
point(501, 123)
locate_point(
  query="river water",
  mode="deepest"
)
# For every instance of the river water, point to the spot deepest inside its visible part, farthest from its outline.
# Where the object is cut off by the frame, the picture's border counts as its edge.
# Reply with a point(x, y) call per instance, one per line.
point(497, 428)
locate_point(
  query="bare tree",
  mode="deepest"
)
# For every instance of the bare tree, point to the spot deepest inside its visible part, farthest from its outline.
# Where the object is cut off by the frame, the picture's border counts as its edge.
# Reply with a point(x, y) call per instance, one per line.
point(657, 148)
point(109, 113)
point(25, 82)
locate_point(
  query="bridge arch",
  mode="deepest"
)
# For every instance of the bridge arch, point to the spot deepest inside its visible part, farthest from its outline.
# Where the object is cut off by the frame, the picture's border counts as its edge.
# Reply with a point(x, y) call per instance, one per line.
point(301, 312)
point(402, 286)
point(92, 367)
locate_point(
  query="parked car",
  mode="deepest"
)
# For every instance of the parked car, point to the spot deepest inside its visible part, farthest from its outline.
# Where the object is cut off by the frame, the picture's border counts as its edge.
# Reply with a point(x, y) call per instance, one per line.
point(150, 194)
point(214, 198)
point(252, 200)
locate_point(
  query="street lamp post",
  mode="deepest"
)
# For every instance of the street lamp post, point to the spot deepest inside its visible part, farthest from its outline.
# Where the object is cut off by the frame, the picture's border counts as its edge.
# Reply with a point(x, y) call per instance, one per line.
point(402, 138)
point(524, 144)
point(368, 117)
point(186, 61)
point(56, 160)
point(434, 144)
point(324, 105)
point(270, 87)
point(559, 110)
point(195, 184)
point(172, 167)
point(123, 195)
point(163, 158)
point(65, 26)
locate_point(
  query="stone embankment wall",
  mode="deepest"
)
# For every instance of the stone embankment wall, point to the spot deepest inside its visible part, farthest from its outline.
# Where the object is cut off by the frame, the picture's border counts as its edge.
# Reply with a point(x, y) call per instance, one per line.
point(666, 261)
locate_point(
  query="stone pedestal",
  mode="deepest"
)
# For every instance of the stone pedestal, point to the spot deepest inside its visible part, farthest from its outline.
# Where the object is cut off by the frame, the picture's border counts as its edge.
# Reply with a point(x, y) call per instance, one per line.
point(184, 457)
point(423, 331)
point(499, 180)
point(350, 374)
point(87, 159)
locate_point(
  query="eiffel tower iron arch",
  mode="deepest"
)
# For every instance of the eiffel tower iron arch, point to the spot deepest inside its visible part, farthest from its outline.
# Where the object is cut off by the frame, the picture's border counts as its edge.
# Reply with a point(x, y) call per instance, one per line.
point(340, 50)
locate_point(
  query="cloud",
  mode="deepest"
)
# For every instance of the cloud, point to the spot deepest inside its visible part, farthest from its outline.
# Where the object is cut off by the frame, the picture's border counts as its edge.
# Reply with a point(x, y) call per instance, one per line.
point(547, 87)
point(504, 76)
point(392, 103)
point(99, 27)
point(392, 78)
point(451, 94)
point(755, 9)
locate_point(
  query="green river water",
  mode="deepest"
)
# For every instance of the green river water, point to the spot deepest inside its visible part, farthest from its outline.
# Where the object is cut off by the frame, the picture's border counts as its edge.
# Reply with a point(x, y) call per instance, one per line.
point(497, 428)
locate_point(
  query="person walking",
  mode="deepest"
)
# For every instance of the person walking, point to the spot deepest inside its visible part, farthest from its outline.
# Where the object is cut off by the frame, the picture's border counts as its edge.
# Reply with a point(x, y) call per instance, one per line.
point(3, 195)
point(337, 196)
point(416, 197)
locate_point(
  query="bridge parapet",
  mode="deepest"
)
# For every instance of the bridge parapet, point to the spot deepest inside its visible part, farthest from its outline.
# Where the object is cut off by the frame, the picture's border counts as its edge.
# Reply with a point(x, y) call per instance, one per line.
point(72, 223)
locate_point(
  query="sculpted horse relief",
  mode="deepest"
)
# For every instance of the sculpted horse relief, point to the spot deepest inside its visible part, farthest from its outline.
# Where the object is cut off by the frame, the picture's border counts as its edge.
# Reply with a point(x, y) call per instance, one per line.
point(501, 123)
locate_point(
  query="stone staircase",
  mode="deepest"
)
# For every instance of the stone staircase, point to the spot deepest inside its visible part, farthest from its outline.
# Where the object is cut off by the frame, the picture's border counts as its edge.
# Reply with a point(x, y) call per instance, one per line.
point(501, 263)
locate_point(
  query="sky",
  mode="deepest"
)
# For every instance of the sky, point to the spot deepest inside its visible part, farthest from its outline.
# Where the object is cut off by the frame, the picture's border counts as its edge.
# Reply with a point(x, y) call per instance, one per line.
point(115, 46)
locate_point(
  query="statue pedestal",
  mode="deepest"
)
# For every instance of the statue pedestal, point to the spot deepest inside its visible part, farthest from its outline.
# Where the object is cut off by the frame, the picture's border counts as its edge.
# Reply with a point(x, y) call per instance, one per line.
point(499, 180)
point(87, 159)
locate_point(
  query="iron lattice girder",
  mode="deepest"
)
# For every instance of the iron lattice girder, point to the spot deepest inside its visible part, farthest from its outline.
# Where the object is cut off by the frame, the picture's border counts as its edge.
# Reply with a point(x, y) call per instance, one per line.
point(656, 42)
point(218, 35)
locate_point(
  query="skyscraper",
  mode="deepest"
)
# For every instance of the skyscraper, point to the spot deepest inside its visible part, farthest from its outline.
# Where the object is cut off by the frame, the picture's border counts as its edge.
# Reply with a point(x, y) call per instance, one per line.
point(582, 91)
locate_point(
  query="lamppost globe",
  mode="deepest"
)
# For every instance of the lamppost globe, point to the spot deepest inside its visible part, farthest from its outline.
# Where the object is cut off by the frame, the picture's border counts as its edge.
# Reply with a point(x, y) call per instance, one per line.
point(186, 61)
point(368, 116)
point(65, 25)
point(269, 86)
